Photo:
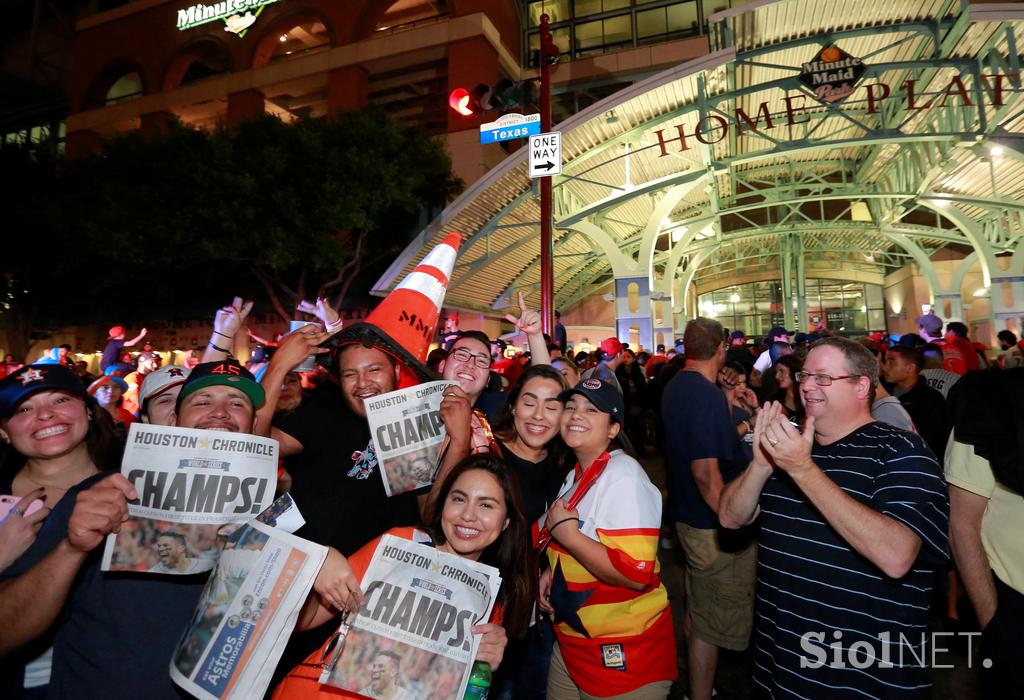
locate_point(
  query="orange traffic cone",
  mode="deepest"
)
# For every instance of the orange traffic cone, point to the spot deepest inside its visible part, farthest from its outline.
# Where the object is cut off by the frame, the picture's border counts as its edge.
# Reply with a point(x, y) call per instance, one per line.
point(403, 323)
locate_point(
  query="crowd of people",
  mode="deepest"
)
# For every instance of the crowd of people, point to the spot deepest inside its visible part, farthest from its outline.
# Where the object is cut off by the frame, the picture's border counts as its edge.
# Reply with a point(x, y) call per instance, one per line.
point(819, 489)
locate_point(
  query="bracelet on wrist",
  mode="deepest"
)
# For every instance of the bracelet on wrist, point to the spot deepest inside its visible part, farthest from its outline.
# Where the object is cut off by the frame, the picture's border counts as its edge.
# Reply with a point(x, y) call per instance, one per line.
point(220, 349)
point(333, 325)
point(222, 335)
point(551, 529)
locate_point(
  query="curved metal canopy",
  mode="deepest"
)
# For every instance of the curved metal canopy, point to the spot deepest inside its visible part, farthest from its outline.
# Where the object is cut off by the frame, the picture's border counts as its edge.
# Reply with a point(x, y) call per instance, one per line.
point(729, 165)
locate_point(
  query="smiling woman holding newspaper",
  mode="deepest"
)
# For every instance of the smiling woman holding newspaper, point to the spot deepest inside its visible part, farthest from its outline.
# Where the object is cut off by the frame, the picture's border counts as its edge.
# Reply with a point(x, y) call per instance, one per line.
point(612, 619)
point(57, 437)
point(481, 520)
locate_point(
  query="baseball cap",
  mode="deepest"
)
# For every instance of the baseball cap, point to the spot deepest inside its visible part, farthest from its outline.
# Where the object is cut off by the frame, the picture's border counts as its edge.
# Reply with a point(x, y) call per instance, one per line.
point(611, 346)
point(222, 373)
point(147, 356)
point(107, 379)
point(605, 396)
point(31, 379)
point(737, 335)
point(115, 331)
point(160, 380)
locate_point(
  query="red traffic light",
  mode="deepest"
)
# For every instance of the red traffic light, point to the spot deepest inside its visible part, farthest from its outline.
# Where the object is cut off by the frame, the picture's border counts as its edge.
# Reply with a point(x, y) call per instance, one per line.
point(459, 100)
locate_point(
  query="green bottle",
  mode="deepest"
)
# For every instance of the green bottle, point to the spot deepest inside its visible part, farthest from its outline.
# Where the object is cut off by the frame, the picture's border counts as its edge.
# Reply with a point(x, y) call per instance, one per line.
point(479, 682)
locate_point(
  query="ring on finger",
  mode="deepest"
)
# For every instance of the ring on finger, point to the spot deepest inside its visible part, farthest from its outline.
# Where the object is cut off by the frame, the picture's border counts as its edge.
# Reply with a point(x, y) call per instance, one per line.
point(773, 442)
point(15, 511)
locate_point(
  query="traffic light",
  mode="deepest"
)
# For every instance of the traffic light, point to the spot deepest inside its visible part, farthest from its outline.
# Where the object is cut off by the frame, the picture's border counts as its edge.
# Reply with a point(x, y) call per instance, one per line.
point(505, 96)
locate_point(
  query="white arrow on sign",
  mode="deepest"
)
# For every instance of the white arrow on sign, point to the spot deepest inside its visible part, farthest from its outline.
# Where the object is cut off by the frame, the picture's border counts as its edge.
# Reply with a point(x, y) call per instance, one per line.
point(545, 154)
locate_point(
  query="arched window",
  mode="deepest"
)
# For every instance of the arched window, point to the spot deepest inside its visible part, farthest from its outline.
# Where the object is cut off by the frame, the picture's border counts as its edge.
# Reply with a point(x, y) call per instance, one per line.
point(127, 87)
point(408, 12)
point(306, 35)
point(633, 295)
point(196, 62)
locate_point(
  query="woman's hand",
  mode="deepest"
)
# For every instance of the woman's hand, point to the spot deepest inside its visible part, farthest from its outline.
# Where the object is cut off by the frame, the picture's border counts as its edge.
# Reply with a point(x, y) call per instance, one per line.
point(337, 583)
point(18, 531)
point(323, 311)
point(528, 320)
point(561, 520)
point(544, 592)
point(492, 644)
point(229, 319)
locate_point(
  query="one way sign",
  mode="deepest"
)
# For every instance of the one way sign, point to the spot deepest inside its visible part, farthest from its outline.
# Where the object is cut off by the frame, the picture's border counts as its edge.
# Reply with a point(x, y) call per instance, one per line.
point(545, 154)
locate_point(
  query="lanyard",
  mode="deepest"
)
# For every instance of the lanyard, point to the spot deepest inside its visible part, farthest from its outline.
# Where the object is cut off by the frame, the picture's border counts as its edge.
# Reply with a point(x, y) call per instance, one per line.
point(584, 479)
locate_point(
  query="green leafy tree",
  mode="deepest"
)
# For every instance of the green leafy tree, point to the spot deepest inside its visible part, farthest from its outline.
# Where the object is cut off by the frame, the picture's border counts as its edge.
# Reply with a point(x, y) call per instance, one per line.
point(300, 209)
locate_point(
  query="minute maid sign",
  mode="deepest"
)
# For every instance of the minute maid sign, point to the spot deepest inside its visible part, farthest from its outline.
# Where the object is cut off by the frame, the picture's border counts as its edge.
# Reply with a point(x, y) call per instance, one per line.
point(238, 15)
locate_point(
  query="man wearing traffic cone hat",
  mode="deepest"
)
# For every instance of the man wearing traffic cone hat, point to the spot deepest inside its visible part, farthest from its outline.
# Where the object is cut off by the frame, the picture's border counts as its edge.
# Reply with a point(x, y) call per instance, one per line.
point(326, 440)
point(403, 324)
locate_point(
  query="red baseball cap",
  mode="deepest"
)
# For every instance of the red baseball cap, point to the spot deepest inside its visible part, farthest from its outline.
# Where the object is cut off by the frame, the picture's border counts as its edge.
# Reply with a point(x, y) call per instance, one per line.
point(611, 347)
point(115, 331)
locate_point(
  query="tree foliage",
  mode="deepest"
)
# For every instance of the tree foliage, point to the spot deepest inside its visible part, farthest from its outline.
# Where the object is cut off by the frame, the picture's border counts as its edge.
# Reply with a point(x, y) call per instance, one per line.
point(294, 210)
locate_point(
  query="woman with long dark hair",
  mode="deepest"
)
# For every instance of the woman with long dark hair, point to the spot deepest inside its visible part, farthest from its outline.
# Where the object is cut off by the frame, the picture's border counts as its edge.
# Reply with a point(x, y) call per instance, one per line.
point(527, 433)
point(613, 622)
point(478, 517)
point(788, 393)
point(57, 438)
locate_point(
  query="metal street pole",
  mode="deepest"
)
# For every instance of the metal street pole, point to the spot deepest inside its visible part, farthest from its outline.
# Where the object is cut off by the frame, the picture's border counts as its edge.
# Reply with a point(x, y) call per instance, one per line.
point(548, 57)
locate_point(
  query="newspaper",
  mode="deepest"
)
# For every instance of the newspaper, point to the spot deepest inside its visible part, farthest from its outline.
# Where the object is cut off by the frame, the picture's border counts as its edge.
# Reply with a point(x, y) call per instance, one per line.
point(407, 432)
point(412, 639)
point(246, 613)
point(190, 484)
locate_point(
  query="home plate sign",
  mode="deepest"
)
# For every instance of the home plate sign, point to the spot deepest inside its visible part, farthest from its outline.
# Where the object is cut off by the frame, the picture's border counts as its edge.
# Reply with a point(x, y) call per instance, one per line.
point(545, 154)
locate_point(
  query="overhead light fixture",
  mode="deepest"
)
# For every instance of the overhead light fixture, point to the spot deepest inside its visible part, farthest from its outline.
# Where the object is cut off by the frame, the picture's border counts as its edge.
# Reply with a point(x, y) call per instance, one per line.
point(997, 150)
point(863, 308)
point(284, 38)
point(941, 202)
point(734, 298)
point(983, 291)
point(611, 118)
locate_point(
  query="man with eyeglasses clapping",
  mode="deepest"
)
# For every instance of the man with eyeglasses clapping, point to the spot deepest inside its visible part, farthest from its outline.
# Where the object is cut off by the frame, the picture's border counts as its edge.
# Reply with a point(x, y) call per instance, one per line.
point(854, 522)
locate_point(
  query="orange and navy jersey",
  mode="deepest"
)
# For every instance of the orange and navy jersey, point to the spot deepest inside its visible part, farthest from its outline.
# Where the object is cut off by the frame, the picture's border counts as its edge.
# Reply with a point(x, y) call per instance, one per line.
point(614, 639)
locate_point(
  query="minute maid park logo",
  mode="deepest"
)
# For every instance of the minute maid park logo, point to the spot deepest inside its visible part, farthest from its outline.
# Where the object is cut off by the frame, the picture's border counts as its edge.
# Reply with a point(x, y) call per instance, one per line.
point(238, 15)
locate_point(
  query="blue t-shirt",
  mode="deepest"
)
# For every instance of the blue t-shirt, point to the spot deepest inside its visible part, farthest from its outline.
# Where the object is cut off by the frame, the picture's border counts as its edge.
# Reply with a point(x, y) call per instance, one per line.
point(698, 425)
point(811, 583)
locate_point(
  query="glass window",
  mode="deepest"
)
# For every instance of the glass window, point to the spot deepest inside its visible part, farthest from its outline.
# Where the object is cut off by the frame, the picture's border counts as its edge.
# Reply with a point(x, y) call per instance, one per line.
point(651, 23)
point(588, 36)
point(127, 87)
point(587, 7)
point(682, 17)
point(617, 30)
point(557, 11)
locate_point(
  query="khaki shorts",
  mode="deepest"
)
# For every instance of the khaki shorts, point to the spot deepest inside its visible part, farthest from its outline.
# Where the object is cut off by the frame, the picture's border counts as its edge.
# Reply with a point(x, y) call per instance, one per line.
point(719, 588)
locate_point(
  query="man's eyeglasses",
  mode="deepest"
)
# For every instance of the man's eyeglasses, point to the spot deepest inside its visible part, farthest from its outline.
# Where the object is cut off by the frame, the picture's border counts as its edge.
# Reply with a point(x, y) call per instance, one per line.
point(822, 379)
point(464, 355)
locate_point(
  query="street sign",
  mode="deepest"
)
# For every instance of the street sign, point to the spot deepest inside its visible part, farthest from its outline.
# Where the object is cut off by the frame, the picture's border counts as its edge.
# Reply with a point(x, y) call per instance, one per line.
point(545, 154)
point(510, 126)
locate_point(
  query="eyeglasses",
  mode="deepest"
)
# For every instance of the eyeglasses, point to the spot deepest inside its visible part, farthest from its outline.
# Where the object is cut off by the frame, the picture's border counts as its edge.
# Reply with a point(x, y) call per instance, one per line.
point(464, 355)
point(822, 379)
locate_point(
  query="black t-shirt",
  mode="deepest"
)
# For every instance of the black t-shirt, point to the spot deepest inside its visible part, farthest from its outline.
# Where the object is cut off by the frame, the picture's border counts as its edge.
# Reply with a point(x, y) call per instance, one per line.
point(336, 481)
point(538, 482)
point(111, 353)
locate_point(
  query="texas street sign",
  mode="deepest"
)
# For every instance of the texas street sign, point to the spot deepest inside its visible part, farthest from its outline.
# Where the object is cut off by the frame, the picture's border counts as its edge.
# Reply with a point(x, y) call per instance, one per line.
point(510, 126)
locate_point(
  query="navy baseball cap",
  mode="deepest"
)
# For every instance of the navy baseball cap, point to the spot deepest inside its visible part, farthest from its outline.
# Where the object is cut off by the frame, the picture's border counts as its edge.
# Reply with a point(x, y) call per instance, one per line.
point(605, 396)
point(31, 379)
point(608, 400)
point(222, 373)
